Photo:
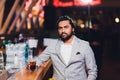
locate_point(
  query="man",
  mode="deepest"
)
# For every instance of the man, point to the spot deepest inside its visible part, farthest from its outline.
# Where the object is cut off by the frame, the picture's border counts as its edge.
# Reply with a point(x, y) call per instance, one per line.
point(71, 57)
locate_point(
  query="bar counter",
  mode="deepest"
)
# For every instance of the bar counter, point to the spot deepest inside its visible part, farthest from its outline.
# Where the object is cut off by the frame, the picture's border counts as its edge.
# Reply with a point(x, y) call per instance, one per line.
point(38, 74)
point(26, 74)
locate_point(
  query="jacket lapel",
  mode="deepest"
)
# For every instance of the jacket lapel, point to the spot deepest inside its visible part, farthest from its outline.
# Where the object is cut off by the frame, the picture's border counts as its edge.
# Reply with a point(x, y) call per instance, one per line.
point(58, 52)
point(75, 49)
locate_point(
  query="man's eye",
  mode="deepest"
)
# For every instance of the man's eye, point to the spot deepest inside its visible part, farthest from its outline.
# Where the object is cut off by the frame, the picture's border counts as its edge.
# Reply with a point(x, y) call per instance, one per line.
point(59, 28)
point(66, 26)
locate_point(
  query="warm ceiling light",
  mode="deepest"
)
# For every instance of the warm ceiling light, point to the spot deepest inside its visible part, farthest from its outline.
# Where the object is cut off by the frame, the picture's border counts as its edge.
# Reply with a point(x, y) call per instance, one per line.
point(87, 1)
point(117, 20)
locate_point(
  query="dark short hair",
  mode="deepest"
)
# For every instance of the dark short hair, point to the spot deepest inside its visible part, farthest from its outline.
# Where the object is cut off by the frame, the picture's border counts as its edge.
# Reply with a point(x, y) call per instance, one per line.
point(65, 17)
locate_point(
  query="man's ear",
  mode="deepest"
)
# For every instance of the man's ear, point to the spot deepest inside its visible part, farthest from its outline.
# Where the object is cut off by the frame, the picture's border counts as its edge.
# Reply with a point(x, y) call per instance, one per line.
point(73, 30)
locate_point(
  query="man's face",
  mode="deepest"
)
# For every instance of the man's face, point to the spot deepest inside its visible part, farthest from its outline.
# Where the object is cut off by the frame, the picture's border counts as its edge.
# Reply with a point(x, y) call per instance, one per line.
point(65, 30)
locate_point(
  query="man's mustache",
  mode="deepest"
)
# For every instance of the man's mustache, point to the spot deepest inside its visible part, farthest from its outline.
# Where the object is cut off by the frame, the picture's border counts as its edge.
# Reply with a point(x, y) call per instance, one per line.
point(63, 33)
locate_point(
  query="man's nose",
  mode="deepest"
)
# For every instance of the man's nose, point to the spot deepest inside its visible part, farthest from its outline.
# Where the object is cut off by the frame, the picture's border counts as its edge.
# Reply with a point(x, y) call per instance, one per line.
point(63, 30)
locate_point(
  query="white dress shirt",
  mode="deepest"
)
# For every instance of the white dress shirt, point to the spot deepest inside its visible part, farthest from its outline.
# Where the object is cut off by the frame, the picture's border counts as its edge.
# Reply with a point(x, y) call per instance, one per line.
point(66, 50)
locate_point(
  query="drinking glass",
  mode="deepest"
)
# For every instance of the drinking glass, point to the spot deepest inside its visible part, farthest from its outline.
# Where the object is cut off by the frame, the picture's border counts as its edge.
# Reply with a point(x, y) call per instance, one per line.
point(32, 63)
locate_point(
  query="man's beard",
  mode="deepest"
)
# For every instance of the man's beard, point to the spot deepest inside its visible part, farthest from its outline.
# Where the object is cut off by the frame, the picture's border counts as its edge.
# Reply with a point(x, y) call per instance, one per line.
point(67, 36)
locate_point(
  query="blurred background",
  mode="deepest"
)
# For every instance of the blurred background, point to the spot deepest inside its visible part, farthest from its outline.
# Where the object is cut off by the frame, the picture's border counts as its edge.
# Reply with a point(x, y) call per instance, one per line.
point(97, 21)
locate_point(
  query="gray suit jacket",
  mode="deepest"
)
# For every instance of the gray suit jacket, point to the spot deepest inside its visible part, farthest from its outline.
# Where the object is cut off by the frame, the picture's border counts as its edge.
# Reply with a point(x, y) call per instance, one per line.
point(81, 66)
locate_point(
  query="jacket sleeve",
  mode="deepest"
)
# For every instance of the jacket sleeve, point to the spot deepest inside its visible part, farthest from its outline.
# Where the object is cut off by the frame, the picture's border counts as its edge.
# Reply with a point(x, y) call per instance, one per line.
point(43, 57)
point(46, 54)
point(90, 63)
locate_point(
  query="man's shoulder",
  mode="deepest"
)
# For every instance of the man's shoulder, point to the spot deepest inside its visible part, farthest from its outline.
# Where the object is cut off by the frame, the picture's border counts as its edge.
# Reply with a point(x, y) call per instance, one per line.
point(81, 40)
point(83, 44)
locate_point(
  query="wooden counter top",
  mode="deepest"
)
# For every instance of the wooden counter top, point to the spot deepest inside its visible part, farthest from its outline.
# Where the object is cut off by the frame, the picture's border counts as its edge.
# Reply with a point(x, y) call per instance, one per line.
point(25, 74)
point(38, 74)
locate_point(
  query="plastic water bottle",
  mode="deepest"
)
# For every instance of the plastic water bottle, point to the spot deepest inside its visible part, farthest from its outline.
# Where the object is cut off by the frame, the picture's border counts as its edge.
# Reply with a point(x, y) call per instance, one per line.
point(26, 53)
